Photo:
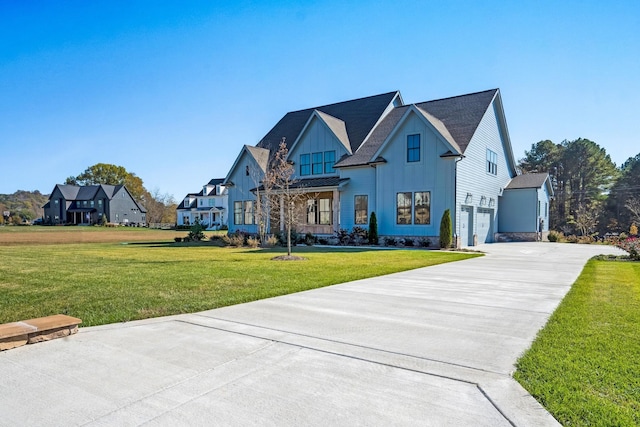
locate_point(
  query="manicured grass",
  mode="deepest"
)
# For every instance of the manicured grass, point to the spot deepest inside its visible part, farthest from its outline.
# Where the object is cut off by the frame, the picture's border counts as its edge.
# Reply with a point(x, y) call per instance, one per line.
point(105, 283)
point(584, 366)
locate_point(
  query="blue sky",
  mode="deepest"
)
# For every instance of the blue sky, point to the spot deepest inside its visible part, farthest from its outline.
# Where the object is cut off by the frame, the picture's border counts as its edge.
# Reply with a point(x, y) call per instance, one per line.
point(172, 90)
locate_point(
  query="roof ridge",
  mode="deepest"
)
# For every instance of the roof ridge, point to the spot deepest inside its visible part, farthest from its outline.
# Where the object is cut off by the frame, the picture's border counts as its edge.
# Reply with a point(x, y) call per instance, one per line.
point(343, 102)
point(457, 96)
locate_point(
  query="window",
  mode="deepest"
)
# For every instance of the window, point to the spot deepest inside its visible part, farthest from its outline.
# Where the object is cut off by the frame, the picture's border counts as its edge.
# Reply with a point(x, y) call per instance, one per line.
point(99, 202)
point(361, 213)
point(57, 201)
point(325, 211)
point(319, 211)
point(311, 211)
point(422, 214)
point(329, 161)
point(316, 166)
point(403, 214)
point(91, 203)
point(305, 164)
point(248, 212)
point(413, 148)
point(246, 170)
point(201, 202)
point(237, 213)
point(492, 162)
point(212, 203)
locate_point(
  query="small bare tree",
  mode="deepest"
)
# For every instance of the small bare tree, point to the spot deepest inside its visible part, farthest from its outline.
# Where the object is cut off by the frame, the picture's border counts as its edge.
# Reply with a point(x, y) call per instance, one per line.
point(633, 204)
point(283, 195)
point(585, 219)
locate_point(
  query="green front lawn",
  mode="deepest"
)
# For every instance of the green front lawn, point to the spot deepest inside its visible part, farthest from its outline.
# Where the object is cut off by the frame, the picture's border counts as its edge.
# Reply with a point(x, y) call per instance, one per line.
point(106, 283)
point(584, 366)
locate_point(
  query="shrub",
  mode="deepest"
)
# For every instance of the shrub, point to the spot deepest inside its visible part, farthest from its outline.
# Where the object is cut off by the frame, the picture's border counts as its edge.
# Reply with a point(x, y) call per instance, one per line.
point(632, 246)
point(343, 236)
point(445, 230)
point(252, 242)
point(424, 242)
point(572, 238)
point(373, 229)
point(633, 230)
point(309, 239)
point(236, 239)
point(270, 241)
point(390, 241)
point(224, 227)
point(197, 232)
point(409, 242)
point(359, 235)
point(554, 236)
point(178, 239)
point(323, 241)
point(103, 220)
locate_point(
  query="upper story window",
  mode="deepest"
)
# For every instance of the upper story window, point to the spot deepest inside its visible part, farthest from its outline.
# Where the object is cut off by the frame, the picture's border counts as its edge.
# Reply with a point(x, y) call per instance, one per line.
point(305, 164)
point(492, 162)
point(316, 165)
point(329, 161)
point(246, 170)
point(413, 148)
point(201, 202)
point(99, 202)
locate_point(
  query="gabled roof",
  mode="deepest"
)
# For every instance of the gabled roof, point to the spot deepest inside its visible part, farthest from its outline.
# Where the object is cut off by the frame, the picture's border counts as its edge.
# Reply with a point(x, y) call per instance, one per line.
point(69, 192)
point(358, 115)
point(455, 118)
point(460, 115)
point(259, 155)
point(216, 181)
point(530, 180)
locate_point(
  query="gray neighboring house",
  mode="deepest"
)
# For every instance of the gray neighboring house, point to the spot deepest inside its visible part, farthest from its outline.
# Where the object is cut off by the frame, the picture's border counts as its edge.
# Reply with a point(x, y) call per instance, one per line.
point(525, 207)
point(86, 205)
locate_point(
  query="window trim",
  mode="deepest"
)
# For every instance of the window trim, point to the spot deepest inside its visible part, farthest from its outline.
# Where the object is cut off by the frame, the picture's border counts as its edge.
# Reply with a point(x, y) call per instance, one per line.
point(410, 207)
point(363, 220)
point(305, 162)
point(414, 149)
point(492, 162)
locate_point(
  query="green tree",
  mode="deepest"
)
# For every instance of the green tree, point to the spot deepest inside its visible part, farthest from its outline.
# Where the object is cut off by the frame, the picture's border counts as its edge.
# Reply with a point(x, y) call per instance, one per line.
point(446, 230)
point(104, 173)
point(373, 229)
point(623, 203)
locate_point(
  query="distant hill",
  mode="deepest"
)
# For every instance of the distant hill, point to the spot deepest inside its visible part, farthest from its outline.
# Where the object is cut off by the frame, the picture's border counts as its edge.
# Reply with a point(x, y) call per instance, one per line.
point(26, 204)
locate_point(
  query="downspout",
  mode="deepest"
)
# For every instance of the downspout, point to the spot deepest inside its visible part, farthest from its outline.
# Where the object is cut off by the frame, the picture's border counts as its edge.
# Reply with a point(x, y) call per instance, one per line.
point(455, 201)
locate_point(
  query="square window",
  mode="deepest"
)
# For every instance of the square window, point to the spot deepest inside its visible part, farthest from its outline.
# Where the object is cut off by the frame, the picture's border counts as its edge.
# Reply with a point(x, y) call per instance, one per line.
point(413, 148)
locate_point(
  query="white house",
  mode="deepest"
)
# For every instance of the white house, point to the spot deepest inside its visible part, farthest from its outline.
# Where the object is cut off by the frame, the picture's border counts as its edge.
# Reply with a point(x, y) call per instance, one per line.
point(209, 206)
point(408, 163)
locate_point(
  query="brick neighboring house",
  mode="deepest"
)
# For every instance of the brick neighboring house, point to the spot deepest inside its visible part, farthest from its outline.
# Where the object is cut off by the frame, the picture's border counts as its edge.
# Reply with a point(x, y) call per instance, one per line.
point(86, 205)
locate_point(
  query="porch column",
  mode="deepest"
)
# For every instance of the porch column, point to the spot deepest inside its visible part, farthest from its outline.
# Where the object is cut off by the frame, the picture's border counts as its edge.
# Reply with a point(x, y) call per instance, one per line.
point(336, 210)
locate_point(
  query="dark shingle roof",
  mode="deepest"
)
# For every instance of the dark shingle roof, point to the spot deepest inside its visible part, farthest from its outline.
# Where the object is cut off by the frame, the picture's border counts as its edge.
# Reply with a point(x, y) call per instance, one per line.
point(528, 180)
point(216, 181)
point(456, 118)
point(374, 142)
point(358, 115)
point(460, 114)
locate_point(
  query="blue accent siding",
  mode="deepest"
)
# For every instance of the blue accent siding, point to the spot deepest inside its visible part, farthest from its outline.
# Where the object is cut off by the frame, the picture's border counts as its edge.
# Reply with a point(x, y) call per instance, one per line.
point(241, 190)
point(477, 187)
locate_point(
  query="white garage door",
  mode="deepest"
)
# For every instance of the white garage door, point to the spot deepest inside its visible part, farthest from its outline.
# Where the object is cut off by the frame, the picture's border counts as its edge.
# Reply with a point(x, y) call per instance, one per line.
point(485, 225)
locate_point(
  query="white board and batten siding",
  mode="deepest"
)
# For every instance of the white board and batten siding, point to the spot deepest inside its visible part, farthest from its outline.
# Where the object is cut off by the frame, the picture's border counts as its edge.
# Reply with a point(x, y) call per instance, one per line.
point(431, 173)
point(478, 190)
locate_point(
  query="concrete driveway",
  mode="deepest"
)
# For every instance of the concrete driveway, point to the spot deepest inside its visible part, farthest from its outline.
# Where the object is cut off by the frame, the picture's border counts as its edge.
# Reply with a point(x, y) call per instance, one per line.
point(432, 346)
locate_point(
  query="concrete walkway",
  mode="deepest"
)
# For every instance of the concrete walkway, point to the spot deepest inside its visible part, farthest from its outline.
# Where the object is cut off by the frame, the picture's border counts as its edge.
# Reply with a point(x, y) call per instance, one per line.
point(432, 346)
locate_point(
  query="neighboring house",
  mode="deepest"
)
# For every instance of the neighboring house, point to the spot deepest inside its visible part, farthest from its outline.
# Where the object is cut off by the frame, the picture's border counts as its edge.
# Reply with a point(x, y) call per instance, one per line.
point(407, 163)
point(524, 207)
point(86, 205)
point(209, 206)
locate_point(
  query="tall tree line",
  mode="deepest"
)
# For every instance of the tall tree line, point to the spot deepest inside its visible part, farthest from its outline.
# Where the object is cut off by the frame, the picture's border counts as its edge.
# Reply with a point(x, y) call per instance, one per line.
point(592, 195)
